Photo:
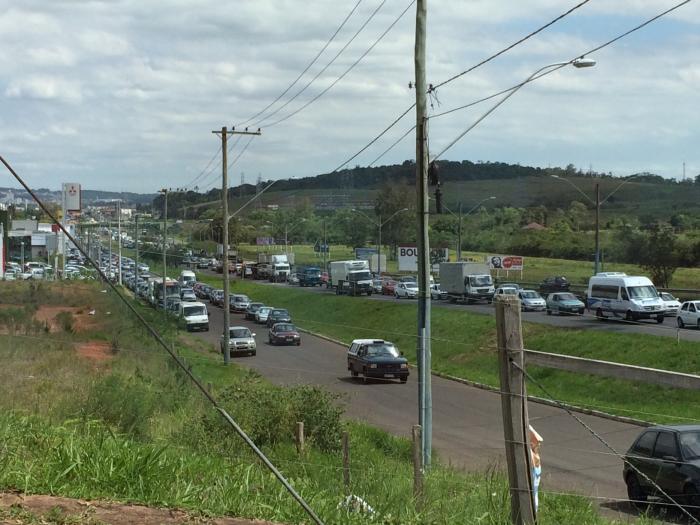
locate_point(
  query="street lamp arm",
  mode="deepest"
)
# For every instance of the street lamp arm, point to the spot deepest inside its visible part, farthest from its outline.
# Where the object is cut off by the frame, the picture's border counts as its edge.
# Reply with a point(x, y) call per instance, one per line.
point(393, 215)
point(618, 187)
point(575, 187)
point(370, 219)
point(479, 204)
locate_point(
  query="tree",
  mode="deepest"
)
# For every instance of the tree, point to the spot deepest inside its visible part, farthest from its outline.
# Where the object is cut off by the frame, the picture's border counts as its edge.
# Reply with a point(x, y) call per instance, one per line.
point(659, 254)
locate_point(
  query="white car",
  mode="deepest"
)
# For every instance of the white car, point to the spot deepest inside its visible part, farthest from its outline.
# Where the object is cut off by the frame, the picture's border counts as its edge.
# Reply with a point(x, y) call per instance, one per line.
point(671, 303)
point(530, 300)
point(436, 293)
point(406, 289)
point(689, 315)
point(262, 314)
point(507, 290)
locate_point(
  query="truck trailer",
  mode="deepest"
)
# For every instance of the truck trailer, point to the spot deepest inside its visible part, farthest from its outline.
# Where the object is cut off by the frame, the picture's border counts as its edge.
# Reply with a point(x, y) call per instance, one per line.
point(466, 281)
point(350, 277)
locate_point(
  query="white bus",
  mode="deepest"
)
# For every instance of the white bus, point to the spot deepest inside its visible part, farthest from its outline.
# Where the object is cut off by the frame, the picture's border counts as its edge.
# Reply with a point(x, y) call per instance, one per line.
point(624, 296)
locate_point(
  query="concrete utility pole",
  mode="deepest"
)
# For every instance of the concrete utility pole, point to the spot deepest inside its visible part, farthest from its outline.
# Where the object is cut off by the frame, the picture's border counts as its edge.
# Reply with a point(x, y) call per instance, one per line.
point(459, 234)
point(425, 402)
point(597, 228)
point(109, 276)
point(164, 191)
point(119, 237)
point(136, 240)
point(225, 216)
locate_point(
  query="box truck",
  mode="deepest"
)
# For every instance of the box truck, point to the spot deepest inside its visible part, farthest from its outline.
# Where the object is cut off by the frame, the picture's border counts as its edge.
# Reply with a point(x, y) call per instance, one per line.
point(466, 281)
point(350, 277)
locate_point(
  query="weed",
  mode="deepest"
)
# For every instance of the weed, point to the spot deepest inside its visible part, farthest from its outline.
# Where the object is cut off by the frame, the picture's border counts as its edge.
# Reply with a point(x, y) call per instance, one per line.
point(66, 321)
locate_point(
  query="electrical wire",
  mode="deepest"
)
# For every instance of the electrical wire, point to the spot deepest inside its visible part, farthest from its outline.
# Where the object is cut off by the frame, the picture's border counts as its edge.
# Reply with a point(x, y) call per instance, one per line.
point(313, 61)
point(201, 173)
point(350, 68)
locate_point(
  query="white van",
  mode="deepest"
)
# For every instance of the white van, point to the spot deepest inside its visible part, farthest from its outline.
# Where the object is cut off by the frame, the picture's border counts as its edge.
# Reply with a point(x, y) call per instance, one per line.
point(187, 278)
point(195, 316)
point(624, 296)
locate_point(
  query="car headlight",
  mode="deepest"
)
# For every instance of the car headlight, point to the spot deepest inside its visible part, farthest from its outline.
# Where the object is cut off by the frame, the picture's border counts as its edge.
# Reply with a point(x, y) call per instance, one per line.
point(373, 365)
point(404, 365)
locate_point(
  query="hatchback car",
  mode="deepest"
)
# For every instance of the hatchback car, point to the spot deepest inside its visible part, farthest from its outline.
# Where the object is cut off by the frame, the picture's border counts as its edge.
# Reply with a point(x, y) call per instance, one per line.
point(187, 295)
point(689, 315)
point(216, 297)
point(437, 293)
point(671, 303)
point(239, 303)
point(283, 333)
point(407, 289)
point(388, 286)
point(278, 315)
point(669, 456)
point(262, 314)
point(531, 301)
point(506, 290)
point(376, 358)
point(252, 309)
point(377, 285)
point(558, 283)
point(241, 341)
point(562, 303)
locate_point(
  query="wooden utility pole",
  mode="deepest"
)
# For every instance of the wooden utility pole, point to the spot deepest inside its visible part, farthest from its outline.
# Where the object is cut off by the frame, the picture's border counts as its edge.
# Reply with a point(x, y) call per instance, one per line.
point(136, 240)
point(597, 228)
point(425, 402)
point(225, 218)
point(164, 191)
point(514, 409)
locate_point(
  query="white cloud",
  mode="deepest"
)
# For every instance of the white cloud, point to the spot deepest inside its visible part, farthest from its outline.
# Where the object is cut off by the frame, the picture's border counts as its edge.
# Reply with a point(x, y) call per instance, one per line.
point(44, 87)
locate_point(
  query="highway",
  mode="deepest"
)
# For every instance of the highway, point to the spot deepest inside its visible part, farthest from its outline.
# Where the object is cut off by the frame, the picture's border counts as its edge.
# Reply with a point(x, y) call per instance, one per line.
point(467, 421)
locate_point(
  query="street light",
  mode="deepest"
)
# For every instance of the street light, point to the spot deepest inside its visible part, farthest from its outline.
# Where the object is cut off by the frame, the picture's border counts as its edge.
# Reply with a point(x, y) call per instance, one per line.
point(596, 203)
point(379, 224)
point(286, 232)
point(459, 229)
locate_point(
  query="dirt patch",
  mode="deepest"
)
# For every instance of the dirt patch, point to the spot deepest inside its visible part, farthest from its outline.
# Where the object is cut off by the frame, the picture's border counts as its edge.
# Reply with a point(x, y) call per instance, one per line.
point(82, 320)
point(17, 509)
point(98, 351)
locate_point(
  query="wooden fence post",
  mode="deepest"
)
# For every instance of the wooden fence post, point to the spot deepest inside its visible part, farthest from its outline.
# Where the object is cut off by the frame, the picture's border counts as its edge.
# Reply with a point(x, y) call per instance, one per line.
point(346, 461)
point(417, 466)
point(514, 409)
point(300, 437)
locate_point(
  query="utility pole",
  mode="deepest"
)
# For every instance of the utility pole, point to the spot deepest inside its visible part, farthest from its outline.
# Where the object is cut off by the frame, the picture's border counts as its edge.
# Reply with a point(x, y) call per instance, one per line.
point(225, 216)
point(425, 403)
point(597, 228)
point(164, 191)
point(459, 234)
point(324, 248)
point(136, 240)
point(379, 246)
point(119, 237)
point(109, 276)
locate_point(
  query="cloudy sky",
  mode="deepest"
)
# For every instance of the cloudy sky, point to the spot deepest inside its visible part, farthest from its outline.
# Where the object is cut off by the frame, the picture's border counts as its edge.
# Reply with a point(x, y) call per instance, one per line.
point(123, 94)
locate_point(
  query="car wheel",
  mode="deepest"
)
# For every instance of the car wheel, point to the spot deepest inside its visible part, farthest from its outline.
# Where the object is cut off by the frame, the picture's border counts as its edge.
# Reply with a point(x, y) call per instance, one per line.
point(680, 322)
point(269, 340)
point(404, 379)
point(691, 497)
point(298, 343)
point(698, 326)
point(549, 312)
point(599, 314)
point(354, 373)
point(635, 492)
point(659, 319)
point(629, 316)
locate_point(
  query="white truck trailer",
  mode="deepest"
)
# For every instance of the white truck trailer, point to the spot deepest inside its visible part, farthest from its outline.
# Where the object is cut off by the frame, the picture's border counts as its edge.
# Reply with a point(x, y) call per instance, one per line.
point(350, 277)
point(466, 281)
point(274, 267)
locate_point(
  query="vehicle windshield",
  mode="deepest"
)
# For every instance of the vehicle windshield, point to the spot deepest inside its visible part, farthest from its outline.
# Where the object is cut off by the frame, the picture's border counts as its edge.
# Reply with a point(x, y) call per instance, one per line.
point(313, 273)
point(642, 292)
point(360, 276)
point(667, 297)
point(382, 350)
point(239, 333)
point(280, 313)
point(480, 280)
point(529, 295)
point(284, 327)
point(412, 286)
point(690, 444)
point(255, 306)
point(567, 297)
point(509, 291)
point(264, 310)
point(195, 310)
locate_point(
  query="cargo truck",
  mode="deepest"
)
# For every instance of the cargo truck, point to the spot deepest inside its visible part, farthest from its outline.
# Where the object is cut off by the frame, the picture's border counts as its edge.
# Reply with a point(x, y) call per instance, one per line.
point(309, 276)
point(466, 281)
point(350, 277)
point(275, 268)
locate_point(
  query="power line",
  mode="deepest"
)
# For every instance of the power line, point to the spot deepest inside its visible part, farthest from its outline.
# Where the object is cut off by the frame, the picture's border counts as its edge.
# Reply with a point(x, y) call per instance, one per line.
point(307, 67)
point(506, 49)
point(352, 66)
point(201, 173)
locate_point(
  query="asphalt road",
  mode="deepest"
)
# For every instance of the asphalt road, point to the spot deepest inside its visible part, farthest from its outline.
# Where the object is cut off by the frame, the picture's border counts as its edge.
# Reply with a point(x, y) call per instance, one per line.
point(467, 421)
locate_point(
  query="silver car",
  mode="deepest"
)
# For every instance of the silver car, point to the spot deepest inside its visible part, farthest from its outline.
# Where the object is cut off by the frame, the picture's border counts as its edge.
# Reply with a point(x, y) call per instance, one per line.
point(262, 314)
point(531, 301)
point(671, 304)
point(239, 303)
point(241, 341)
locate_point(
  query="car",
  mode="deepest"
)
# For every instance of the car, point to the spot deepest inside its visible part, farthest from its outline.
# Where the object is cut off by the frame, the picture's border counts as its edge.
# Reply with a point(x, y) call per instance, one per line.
point(216, 297)
point(671, 303)
point(388, 286)
point(436, 293)
point(689, 315)
point(283, 333)
point(278, 315)
point(187, 294)
point(377, 285)
point(564, 303)
point(293, 279)
point(510, 285)
point(239, 302)
point(262, 314)
point(376, 358)
point(506, 290)
point(241, 341)
point(408, 290)
point(252, 309)
point(557, 283)
point(172, 305)
point(665, 458)
point(530, 300)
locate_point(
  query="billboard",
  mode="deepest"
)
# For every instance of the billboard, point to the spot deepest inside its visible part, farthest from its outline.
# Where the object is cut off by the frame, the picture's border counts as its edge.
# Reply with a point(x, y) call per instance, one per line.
point(505, 262)
point(408, 258)
point(71, 197)
point(365, 254)
point(264, 241)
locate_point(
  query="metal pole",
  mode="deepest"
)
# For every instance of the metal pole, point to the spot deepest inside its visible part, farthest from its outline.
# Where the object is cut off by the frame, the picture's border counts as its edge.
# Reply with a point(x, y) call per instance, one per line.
point(224, 241)
point(459, 234)
point(597, 228)
point(136, 240)
point(423, 210)
point(285, 238)
point(325, 246)
point(379, 246)
point(119, 238)
point(109, 227)
point(22, 252)
point(165, 242)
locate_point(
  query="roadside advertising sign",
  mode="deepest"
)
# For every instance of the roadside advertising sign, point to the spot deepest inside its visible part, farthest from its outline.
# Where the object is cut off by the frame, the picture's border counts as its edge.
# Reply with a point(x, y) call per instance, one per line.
point(505, 262)
point(264, 241)
point(364, 254)
point(408, 258)
point(71, 197)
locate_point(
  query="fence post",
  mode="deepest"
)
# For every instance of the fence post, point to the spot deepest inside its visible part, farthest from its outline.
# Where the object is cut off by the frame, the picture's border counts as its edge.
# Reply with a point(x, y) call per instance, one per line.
point(346, 461)
point(300, 437)
point(514, 409)
point(417, 466)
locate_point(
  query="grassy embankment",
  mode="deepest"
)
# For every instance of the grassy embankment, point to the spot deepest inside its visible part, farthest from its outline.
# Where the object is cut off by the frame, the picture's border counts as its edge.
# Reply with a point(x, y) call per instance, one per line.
point(91, 408)
point(464, 345)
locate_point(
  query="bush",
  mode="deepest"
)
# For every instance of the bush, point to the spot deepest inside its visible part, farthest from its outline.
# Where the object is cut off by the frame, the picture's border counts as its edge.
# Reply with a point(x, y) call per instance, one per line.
point(66, 321)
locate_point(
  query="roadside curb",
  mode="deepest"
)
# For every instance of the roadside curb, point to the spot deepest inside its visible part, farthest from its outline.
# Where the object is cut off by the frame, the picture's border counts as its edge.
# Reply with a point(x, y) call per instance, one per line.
point(535, 399)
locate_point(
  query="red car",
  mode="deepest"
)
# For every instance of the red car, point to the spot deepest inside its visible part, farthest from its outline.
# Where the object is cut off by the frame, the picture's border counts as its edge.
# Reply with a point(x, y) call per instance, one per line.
point(388, 287)
point(284, 333)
